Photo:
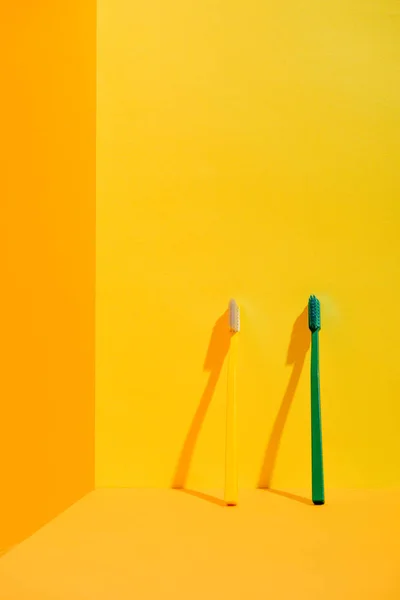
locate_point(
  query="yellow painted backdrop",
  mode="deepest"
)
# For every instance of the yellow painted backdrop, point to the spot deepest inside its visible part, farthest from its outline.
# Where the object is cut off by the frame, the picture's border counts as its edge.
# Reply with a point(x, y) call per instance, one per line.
point(247, 150)
point(47, 260)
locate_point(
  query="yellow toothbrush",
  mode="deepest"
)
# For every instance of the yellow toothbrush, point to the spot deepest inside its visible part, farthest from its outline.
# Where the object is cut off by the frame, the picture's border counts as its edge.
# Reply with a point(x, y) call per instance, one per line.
point(231, 454)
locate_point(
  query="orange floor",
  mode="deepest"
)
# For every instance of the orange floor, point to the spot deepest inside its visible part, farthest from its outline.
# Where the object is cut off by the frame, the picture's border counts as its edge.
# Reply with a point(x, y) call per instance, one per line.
point(140, 544)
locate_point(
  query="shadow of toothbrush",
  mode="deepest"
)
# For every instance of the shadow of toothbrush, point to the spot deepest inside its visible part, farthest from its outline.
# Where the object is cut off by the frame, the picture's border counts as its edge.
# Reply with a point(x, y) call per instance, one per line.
point(217, 350)
point(291, 496)
point(296, 355)
point(202, 496)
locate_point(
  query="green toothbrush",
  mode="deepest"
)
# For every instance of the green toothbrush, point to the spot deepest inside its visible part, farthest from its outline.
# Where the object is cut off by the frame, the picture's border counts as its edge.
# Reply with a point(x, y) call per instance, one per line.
point(314, 323)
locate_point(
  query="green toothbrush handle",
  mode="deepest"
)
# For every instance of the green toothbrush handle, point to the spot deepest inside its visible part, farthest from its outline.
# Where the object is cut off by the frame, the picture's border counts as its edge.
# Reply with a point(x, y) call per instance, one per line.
point(318, 496)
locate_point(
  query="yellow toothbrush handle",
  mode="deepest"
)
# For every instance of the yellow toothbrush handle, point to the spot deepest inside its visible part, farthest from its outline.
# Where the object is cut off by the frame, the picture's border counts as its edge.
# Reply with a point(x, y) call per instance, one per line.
point(231, 454)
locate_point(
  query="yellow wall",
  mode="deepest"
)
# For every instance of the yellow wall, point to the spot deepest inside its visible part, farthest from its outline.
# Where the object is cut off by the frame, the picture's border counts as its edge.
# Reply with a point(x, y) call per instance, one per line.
point(47, 259)
point(247, 150)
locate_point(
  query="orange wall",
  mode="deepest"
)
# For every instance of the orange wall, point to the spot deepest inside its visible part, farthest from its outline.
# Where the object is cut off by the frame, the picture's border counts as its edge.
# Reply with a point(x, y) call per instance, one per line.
point(47, 239)
point(247, 149)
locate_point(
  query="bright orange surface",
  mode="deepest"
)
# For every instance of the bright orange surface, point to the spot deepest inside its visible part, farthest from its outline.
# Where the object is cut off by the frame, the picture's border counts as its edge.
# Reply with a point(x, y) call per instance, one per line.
point(167, 544)
point(247, 150)
point(47, 258)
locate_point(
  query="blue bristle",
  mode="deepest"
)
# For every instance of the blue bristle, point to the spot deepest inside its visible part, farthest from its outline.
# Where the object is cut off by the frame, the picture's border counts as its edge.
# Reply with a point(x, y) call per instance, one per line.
point(314, 314)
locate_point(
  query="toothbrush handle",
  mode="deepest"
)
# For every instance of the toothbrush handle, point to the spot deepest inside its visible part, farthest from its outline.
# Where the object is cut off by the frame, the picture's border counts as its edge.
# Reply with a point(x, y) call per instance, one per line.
point(231, 459)
point(318, 496)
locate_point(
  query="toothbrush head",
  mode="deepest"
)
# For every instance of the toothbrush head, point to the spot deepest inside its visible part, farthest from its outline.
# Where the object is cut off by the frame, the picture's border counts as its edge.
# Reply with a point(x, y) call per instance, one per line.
point(314, 314)
point(234, 317)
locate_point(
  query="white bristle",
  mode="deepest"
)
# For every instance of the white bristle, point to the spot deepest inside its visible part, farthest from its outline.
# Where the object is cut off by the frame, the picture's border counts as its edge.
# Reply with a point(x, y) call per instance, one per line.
point(234, 317)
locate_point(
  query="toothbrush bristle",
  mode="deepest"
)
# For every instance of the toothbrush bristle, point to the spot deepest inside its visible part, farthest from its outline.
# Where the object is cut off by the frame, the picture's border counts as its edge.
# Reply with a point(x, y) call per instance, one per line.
point(314, 314)
point(234, 317)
